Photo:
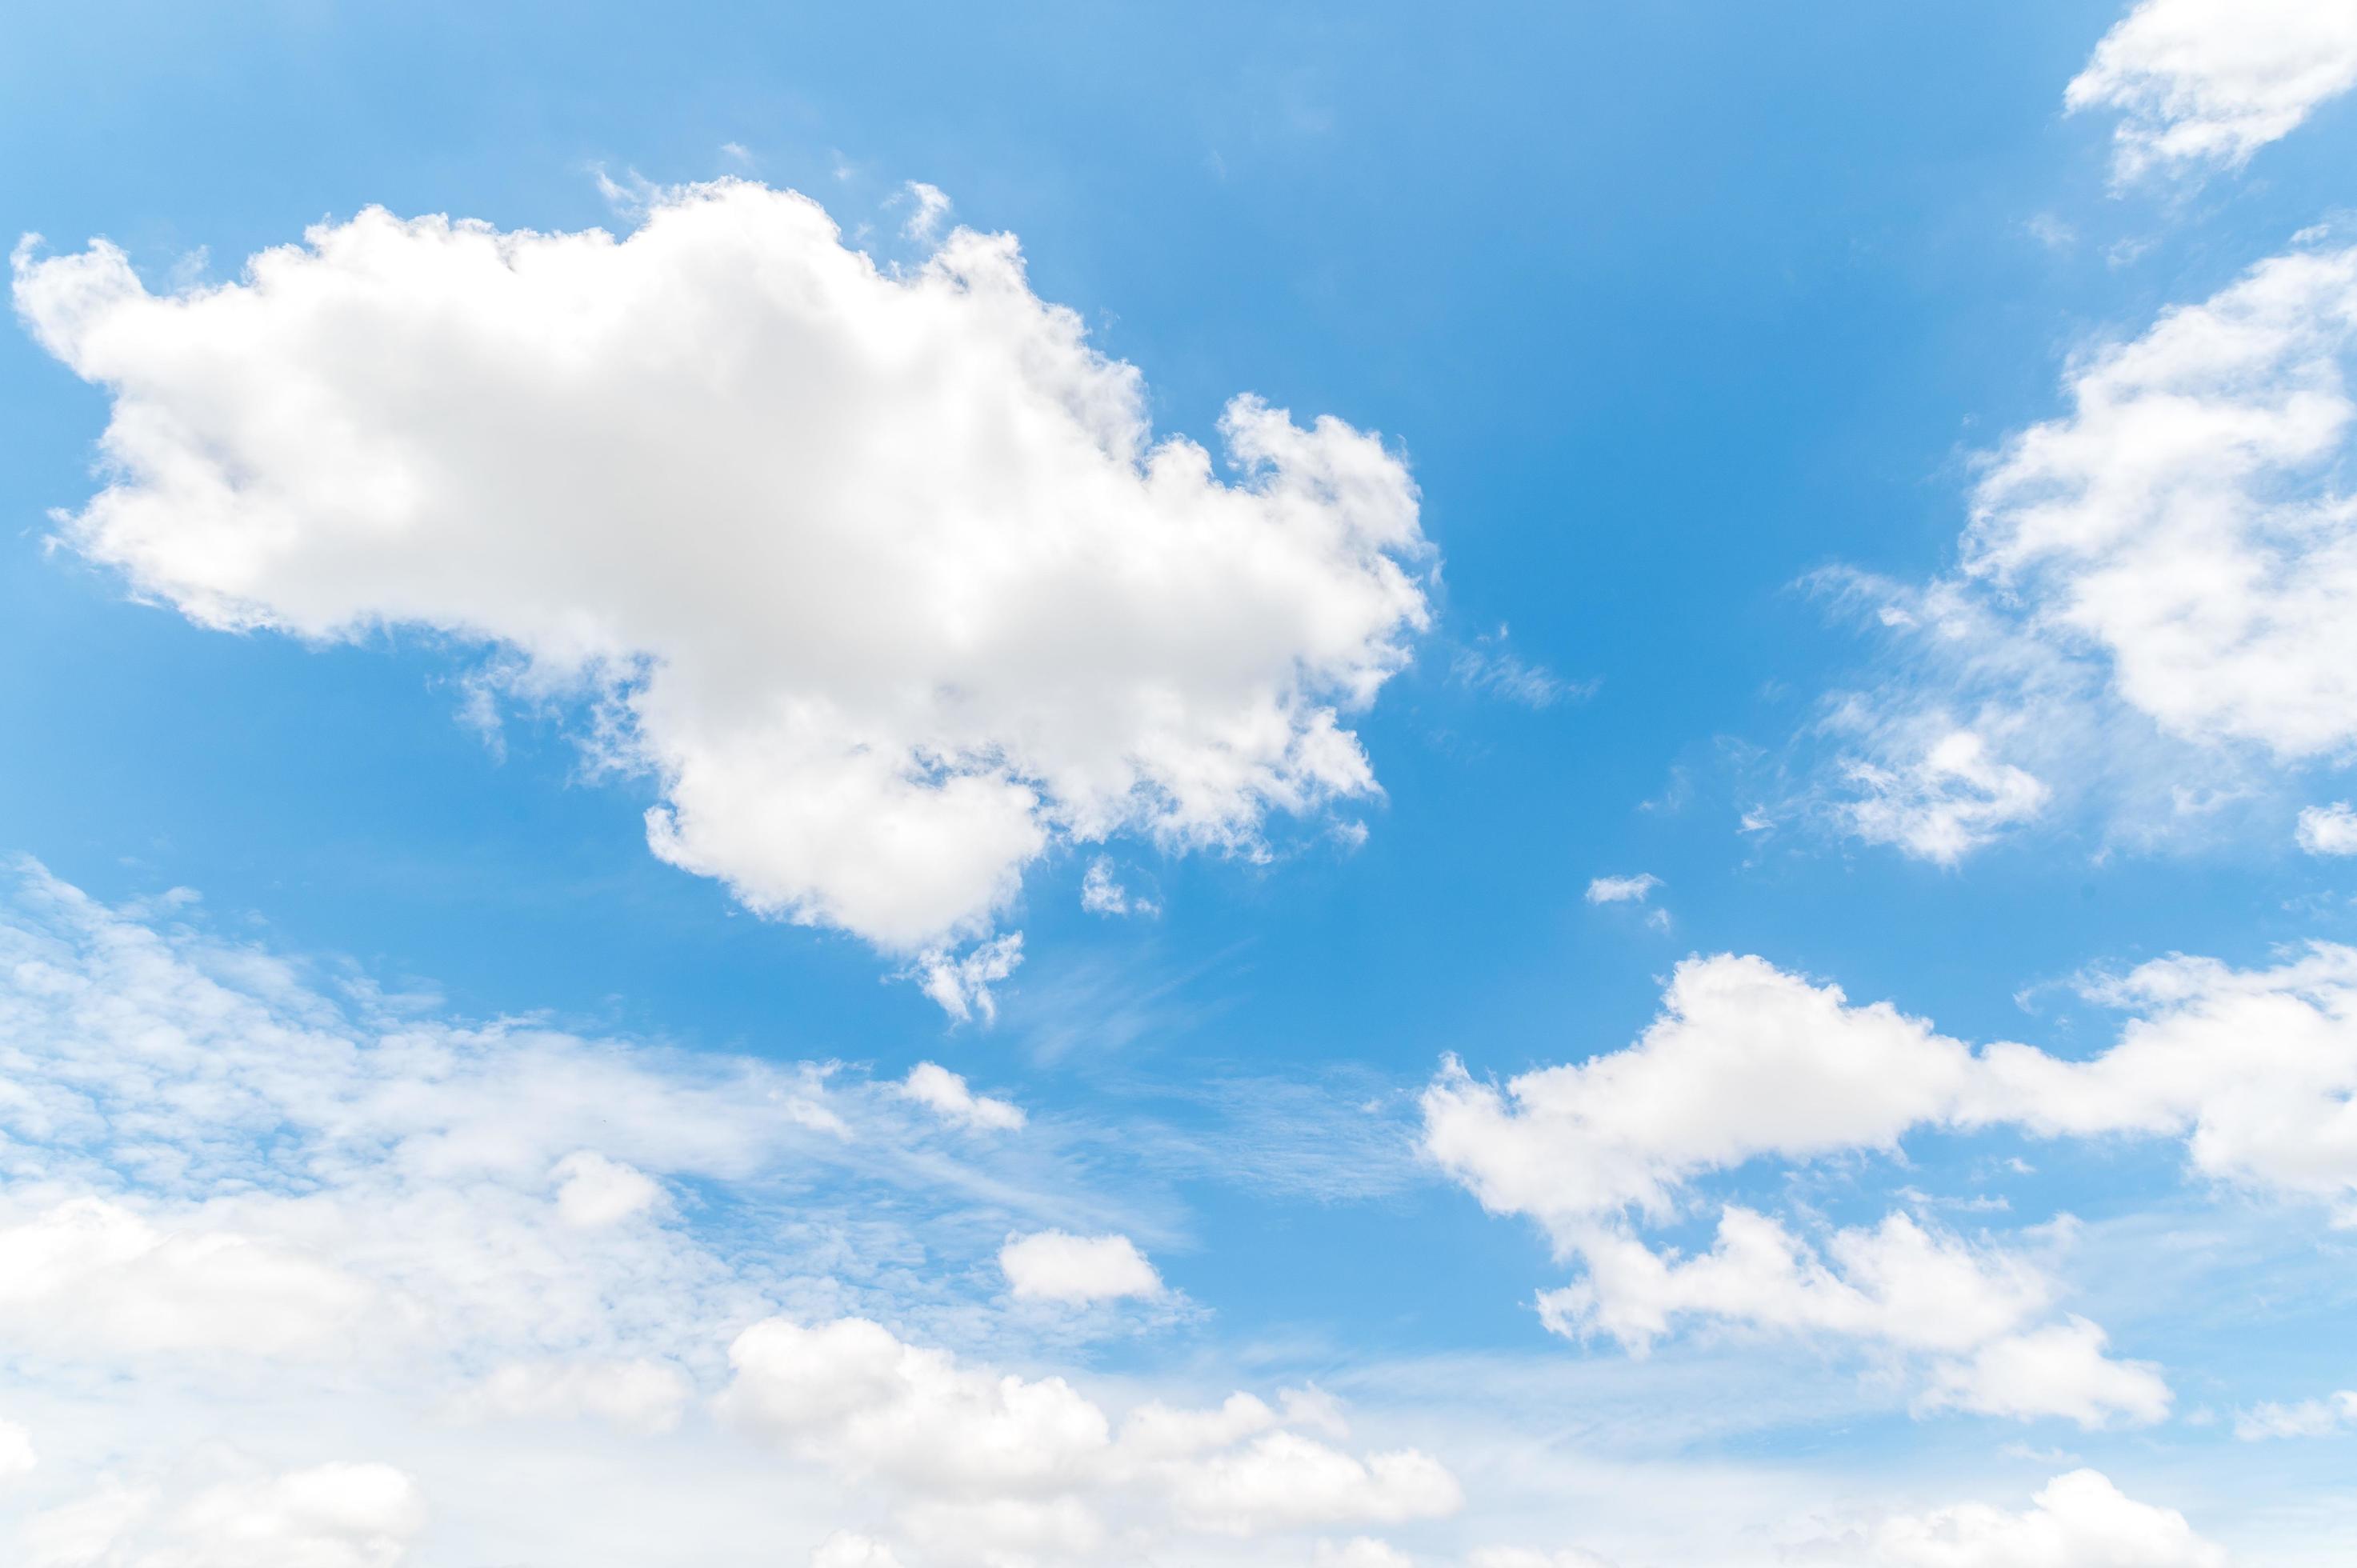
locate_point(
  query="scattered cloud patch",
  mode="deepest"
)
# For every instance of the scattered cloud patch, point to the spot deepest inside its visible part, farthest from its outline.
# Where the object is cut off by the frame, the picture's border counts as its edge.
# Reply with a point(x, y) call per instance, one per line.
point(2250, 1068)
point(930, 205)
point(1622, 889)
point(2202, 84)
point(962, 982)
point(2076, 1520)
point(1970, 1314)
point(1102, 893)
point(1941, 804)
point(1747, 1062)
point(945, 1094)
point(2157, 609)
point(1076, 1271)
point(994, 1462)
point(2329, 830)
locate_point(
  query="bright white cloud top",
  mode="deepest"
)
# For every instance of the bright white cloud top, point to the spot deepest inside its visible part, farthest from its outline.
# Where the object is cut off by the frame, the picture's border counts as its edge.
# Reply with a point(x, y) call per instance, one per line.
point(882, 576)
point(1076, 1270)
point(2254, 1069)
point(2209, 82)
point(2329, 830)
point(2159, 592)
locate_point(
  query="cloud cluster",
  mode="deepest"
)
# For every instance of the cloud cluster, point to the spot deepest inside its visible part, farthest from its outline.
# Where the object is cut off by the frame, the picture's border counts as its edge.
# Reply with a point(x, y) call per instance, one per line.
point(217, 1175)
point(2251, 1067)
point(2327, 830)
point(2158, 589)
point(2206, 83)
point(882, 577)
point(1977, 1313)
point(2308, 1418)
point(2254, 1069)
point(981, 1463)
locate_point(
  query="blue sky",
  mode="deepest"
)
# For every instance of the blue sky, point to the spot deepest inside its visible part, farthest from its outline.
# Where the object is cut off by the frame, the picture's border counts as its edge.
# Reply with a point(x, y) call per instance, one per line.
point(1875, 476)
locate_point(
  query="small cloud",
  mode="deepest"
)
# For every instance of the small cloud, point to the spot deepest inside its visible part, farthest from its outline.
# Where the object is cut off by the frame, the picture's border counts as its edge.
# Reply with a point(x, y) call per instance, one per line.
point(1053, 1265)
point(631, 196)
point(1487, 667)
point(1622, 889)
point(2329, 830)
point(945, 1094)
point(735, 153)
point(1101, 895)
point(932, 204)
point(961, 982)
point(2127, 253)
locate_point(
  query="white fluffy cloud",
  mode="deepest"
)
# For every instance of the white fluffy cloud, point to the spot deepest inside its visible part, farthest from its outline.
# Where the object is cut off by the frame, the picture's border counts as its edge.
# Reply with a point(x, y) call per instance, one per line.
point(205, 1156)
point(1052, 1265)
point(2158, 590)
point(2077, 1521)
point(945, 1094)
point(2329, 830)
point(1622, 889)
point(2207, 82)
point(983, 1462)
point(1949, 800)
point(2254, 1069)
point(1973, 1313)
point(2185, 517)
point(881, 576)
